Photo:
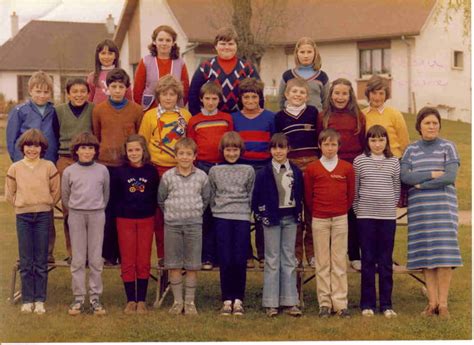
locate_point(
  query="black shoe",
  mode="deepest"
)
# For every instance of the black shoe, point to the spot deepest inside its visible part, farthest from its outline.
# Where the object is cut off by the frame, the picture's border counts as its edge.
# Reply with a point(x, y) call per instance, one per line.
point(343, 314)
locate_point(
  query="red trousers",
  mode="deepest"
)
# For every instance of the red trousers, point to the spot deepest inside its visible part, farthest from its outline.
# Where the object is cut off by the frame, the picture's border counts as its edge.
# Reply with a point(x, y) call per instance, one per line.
point(135, 238)
point(160, 220)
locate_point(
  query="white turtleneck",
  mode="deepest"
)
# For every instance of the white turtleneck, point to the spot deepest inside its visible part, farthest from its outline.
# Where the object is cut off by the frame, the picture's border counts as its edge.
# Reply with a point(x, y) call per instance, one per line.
point(329, 163)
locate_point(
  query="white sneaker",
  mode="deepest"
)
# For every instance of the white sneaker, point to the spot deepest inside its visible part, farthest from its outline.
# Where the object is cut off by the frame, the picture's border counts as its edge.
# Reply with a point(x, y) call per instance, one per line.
point(27, 308)
point(226, 309)
point(39, 308)
point(356, 264)
point(238, 309)
point(368, 312)
point(389, 314)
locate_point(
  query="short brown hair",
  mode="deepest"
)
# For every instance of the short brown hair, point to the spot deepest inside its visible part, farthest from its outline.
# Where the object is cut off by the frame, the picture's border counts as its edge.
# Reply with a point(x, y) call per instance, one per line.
point(375, 83)
point(174, 54)
point(329, 133)
point(231, 139)
point(425, 112)
point(279, 140)
point(211, 87)
point(169, 82)
point(226, 34)
point(33, 137)
point(84, 139)
point(296, 82)
point(377, 131)
point(317, 62)
point(141, 140)
point(40, 78)
point(250, 85)
point(185, 143)
point(117, 75)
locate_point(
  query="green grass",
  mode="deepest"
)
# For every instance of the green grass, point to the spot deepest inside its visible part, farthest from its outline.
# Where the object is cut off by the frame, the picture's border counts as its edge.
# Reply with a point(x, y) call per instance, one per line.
point(57, 326)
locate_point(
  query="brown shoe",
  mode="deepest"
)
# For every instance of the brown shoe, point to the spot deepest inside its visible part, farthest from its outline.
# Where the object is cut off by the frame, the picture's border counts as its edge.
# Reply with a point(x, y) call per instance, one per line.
point(141, 308)
point(130, 308)
point(429, 311)
point(443, 312)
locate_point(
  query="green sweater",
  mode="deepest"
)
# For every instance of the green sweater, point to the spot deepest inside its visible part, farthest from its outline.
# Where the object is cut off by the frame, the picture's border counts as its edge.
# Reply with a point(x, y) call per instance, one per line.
point(70, 125)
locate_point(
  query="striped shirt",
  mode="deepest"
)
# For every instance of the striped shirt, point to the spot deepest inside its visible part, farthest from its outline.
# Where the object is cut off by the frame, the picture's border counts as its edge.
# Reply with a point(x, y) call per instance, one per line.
point(377, 187)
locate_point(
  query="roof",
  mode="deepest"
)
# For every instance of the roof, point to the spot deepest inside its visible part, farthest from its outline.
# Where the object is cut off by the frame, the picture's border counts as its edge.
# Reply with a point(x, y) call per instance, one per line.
point(320, 19)
point(53, 46)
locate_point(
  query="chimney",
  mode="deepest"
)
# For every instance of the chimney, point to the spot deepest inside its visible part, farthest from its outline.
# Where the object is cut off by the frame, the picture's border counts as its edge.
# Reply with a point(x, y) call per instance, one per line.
point(14, 24)
point(110, 24)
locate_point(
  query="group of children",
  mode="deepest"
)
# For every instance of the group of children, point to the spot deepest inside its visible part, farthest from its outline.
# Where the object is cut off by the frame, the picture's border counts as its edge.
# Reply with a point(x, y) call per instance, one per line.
point(208, 173)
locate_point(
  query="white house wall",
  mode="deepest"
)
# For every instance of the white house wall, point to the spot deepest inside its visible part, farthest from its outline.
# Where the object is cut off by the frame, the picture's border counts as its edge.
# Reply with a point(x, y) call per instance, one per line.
point(8, 85)
point(272, 66)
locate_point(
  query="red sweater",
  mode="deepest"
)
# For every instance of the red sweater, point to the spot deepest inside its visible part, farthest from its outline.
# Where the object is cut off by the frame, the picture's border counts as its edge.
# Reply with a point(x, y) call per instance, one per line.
point(329, 194)
point(164, 66)
point(345, 123)
point(207, 131)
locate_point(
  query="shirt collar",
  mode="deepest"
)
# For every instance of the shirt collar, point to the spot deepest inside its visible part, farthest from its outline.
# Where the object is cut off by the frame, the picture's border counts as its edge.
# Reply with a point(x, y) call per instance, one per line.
point(277, 166)
point(378, 110)
point(193, 170)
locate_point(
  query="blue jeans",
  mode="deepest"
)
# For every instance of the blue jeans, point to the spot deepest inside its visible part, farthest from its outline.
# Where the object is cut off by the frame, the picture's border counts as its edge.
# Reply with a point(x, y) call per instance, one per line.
point(279, 280)
point(33, 237)
point(233, 238)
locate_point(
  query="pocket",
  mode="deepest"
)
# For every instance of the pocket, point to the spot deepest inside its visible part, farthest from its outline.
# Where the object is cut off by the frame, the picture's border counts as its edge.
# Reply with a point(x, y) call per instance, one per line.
point(147, 101)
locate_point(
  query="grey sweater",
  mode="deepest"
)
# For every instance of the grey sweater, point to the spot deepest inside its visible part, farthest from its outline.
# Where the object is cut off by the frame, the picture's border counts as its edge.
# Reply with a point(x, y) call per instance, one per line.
point(231, 191)
point(183, 199)
point(85, 187)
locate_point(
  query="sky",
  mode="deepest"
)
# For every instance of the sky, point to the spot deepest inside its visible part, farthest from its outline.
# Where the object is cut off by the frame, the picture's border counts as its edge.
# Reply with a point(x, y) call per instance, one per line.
point(56, 10)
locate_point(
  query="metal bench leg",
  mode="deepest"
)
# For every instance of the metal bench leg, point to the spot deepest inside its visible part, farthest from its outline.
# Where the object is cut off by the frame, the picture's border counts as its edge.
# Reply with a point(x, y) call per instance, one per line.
point(14, 293)
point(299, 286)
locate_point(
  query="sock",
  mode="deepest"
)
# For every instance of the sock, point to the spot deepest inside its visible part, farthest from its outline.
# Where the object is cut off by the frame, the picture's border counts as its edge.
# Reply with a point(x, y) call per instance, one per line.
point(190, 289)
point(142, 285)
point(130, 291)
point(177, 289)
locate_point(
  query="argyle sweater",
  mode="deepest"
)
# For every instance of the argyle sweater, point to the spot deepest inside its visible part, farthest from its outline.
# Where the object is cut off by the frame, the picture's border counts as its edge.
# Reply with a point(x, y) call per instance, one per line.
point(211, 70)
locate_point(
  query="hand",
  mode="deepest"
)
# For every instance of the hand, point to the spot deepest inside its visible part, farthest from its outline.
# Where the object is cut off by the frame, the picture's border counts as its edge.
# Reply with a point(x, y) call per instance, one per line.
point(417, 186)
point(436, 174)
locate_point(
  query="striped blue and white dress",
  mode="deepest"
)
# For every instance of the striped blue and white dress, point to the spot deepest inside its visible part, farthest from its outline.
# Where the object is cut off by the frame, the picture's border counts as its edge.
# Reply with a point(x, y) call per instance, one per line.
point(433, 208)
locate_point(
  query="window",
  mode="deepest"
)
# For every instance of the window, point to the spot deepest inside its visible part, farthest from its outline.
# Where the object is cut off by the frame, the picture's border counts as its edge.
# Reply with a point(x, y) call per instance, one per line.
point(458, 60)
point(374, 61)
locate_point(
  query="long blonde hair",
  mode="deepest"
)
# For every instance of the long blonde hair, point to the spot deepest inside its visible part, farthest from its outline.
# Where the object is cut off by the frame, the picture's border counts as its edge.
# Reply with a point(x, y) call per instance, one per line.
point(317, 62)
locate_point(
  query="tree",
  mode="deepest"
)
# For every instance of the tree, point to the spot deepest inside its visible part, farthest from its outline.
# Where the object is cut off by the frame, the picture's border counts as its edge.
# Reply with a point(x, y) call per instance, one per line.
point(447, 8)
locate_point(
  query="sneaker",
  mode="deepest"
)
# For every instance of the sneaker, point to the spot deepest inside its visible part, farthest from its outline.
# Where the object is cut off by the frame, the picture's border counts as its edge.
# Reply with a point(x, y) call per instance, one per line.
point(130, 308)
point(27, 308)
point(39, 308)
point(250, 263)
point(141, 308)
point(368, 312)
point(261, 263)
point(226, 309)
point(207, 265)
point(190, 309)
point(389, 313)
point(356, 264)
point(238, 308)
point(271, 312)
point(294, 311)
point(176, 308)
point(97, 307)
point(324, 312)
point(312, 262)
point(343, 314)
point(76, 308)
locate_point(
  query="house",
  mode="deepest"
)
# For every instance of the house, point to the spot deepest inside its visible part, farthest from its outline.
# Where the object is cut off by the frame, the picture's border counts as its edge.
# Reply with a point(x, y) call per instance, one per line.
point(62, 49)
point(426, 60)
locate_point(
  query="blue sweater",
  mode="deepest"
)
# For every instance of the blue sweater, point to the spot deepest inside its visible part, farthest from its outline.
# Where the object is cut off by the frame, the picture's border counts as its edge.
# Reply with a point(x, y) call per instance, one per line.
point(265, 203)
point(24, 117)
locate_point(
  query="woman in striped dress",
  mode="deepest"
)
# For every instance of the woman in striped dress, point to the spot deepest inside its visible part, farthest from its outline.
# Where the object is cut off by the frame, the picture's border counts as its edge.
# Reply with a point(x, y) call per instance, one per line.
point(430, 166)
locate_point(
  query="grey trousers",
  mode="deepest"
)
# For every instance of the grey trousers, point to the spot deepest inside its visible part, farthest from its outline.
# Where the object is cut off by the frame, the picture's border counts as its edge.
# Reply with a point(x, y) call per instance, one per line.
point(86, 229)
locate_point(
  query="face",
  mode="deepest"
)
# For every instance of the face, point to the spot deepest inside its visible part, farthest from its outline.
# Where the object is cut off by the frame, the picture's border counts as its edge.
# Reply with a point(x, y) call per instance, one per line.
point(250, 101)
point(40, 94)
point(297, 96)
point(306, 54)
point(429, 127)
point(117, 91)
point(85, 153)
point(340, 96)
point(164, 43)
point(377, 145)
point(279, 154)
point(377, 98)
point(32, 151)
point(231, 154)
point(329, 148)
point(78, 95)
point(185, 158)
point(210, 101)
point(135, 153)
point(106, 57)
point(168, 99)
point(226, 50)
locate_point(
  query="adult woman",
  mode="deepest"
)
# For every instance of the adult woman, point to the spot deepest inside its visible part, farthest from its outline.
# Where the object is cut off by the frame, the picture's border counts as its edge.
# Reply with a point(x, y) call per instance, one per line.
point(163, 59)
point(430, 166)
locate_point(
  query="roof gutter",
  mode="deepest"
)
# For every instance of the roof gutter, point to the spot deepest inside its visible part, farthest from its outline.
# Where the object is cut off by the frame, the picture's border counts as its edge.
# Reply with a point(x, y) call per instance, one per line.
point(409, 90)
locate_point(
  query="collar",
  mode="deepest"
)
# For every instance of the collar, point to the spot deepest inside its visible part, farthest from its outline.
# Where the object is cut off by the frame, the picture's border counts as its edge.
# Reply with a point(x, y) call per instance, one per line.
point(103, 68)
point(193, 170)
point(160, 110)
point(206, 113)
point(378, 110)
point(277, 166)
point(323, 159)
point(295, 110)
